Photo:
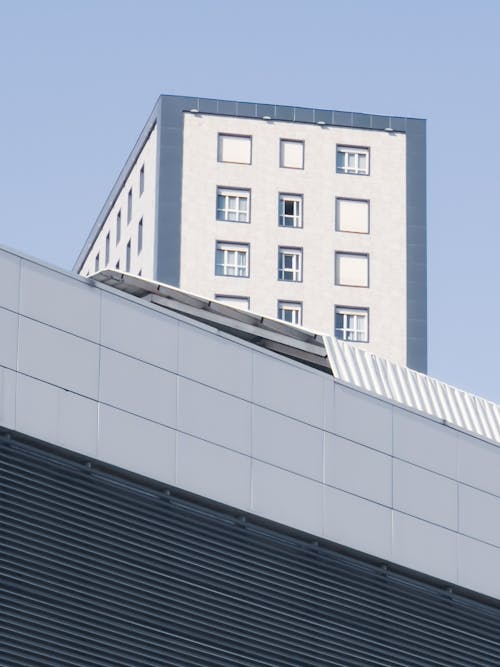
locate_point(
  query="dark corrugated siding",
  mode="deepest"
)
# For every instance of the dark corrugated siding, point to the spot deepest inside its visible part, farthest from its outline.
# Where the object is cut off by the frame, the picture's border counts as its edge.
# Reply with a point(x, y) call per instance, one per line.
point(98, 571)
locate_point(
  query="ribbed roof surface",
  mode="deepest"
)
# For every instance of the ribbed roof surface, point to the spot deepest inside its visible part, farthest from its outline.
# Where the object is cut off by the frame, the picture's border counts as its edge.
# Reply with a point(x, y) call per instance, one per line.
point(415, 390)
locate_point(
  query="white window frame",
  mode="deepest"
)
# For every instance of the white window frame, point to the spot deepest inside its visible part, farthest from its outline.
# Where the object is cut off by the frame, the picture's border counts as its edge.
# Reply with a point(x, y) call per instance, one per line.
point(296, 218)
point(228, 213)
point(292, 307)
point(293, 273)
point(355, 333)
point(355, 152)
point(235, 259)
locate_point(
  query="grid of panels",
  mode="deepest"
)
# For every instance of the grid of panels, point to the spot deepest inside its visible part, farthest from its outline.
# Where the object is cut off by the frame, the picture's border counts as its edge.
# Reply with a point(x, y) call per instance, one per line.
point(96, 570)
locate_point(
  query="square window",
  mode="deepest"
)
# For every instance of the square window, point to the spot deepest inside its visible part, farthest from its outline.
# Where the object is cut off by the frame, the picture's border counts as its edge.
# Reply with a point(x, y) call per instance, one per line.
point(141, 181)
point(234, 148)
point(352, 215)
point(232, 259)
point(233, 205)
point(290, 311)
point(118, 227)
point(290, 264)
point(291, 154)
point(351, 324)
point(129, 206)
point(241, 302)
point(290, 211)
point(351, 269)
point(353, 160)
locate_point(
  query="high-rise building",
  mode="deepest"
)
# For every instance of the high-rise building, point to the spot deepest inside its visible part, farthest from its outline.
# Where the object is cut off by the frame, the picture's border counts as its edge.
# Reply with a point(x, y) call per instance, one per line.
point(311, 216)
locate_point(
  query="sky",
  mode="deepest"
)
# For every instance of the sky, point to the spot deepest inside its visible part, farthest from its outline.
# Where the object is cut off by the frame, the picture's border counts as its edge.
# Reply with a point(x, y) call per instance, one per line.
point(79, 78)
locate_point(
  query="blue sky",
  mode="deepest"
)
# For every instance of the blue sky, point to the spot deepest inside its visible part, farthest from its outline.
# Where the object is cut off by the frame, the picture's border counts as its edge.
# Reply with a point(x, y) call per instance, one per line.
point(80, 78)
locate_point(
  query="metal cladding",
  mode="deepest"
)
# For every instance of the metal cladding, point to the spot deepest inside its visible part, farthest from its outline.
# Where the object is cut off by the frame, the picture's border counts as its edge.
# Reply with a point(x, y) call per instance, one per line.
point(415, 390)
point(98, 570)
point(347, 362)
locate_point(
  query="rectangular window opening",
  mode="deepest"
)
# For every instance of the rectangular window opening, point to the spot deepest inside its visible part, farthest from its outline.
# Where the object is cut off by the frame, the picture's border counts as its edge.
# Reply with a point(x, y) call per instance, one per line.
point(127, 257)
point(290, 264)
point(129, 206)
point(290, 311)
point(241, 302)
point(291, 154)
point(352, 215)
point(108, 241)
point(234, 148)
point(232, 259)
point(353, 160)
point(139, 237)
point(290, 210)
point(351, 324)
point(233, 205)
point(351, 269)
point(141, 181)
point(118, 227)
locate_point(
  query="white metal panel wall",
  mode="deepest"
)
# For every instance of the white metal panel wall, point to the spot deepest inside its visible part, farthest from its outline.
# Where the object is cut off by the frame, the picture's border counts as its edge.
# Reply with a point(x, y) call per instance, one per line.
point(89, 369)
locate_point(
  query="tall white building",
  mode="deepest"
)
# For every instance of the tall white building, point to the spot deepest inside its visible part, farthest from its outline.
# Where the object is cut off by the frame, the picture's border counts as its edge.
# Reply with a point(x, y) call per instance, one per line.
point(311, 216)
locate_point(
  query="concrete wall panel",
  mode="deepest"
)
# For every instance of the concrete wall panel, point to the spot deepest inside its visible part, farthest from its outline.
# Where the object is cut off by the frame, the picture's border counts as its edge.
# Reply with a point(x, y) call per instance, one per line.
point(10, 273)
point(137, 387)
point(42, 293)
point(288, 388)
point(213, 415)
point(185, 404)
point(357, 523)
point(213, 471)
point(148, 335)
point(136, 444)
point(8, 338)
point(58, 357)
point(363, 419)
point(287, 498)
point(287, 443)
point(358, 469)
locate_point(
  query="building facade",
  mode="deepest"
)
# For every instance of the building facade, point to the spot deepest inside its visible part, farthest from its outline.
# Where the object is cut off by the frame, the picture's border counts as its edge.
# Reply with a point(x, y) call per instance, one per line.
point(311, 216)
point(184, 483)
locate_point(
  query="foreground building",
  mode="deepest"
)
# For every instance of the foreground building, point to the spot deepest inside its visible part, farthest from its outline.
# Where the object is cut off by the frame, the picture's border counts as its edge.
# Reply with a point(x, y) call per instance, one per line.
point(311, 216)
point(184, 483)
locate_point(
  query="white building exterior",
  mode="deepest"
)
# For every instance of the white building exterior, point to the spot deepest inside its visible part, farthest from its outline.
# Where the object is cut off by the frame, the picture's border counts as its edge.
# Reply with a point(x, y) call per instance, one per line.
point(311, 216)
point(149, 389)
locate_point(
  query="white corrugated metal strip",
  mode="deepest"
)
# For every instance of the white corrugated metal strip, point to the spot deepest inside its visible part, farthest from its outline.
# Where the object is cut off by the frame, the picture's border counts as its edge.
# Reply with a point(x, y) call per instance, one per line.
point(415, 390)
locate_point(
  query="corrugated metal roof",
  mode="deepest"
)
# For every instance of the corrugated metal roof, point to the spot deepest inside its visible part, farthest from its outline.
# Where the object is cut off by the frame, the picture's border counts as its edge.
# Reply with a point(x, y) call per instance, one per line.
point(415, 390)
point(347, 362)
